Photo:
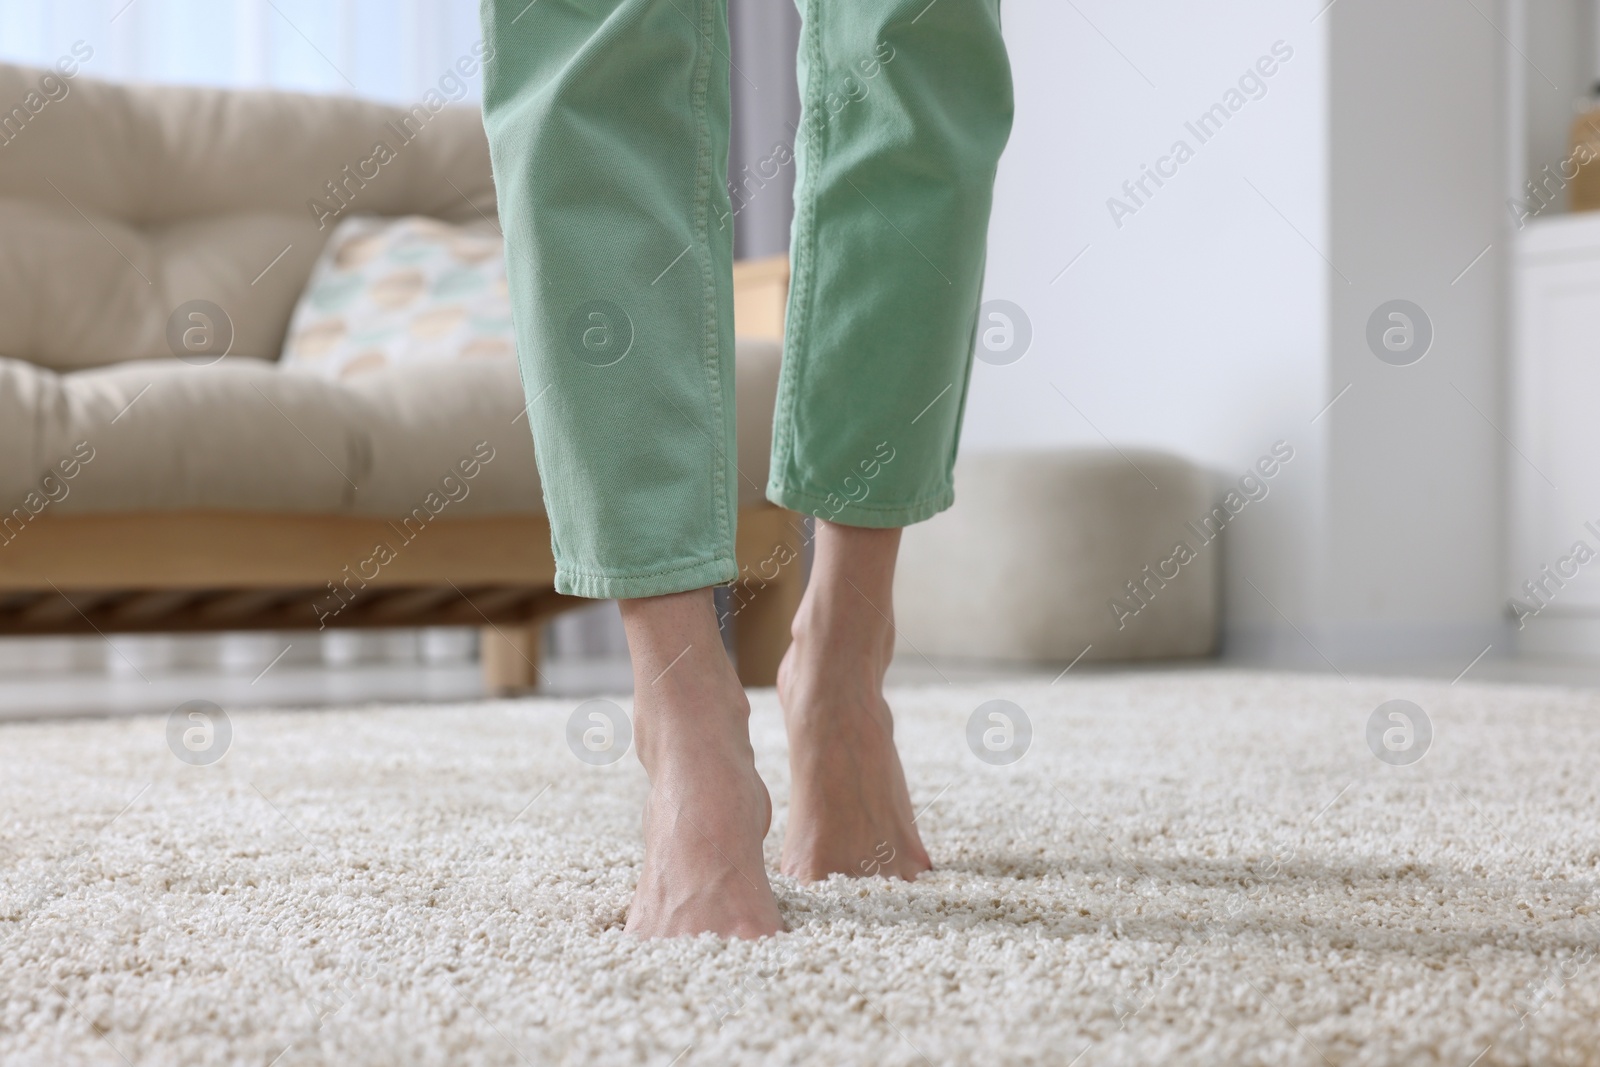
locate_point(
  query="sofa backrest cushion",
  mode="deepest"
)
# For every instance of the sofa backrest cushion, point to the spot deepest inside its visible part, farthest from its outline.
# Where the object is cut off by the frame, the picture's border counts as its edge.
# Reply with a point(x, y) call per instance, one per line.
point(124, 208)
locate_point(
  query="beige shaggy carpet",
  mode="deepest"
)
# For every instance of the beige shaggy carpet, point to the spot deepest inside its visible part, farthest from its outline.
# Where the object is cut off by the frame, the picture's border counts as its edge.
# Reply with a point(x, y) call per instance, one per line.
point(1208, 868)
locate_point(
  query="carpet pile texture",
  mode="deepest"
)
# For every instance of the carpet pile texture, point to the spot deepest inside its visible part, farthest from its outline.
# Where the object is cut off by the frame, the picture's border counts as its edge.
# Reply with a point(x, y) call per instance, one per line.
point(1206, 867)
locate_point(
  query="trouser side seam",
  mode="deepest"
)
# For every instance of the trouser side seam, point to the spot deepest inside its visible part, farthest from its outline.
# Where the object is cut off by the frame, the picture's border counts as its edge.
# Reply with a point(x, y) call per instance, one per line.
point(711, 357)
point(801, 269)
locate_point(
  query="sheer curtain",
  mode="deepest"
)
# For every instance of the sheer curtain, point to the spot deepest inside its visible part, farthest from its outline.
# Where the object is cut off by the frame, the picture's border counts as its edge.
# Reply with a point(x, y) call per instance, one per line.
point(391, 50)
point(385, 49)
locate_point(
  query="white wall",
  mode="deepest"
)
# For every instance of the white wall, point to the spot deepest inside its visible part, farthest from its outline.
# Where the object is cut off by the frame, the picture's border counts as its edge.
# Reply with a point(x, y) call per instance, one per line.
point(1416, 489)
point(1200, 325)
point(1232, 306)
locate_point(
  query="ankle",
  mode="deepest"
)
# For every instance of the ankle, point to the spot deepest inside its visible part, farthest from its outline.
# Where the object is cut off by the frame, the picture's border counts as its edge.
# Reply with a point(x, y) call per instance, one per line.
point(696, 706)
point(842, 635)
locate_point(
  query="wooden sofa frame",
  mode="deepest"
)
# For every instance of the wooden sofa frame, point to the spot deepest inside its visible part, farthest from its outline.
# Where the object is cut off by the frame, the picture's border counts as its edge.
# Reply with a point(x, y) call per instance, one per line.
point(188, 571)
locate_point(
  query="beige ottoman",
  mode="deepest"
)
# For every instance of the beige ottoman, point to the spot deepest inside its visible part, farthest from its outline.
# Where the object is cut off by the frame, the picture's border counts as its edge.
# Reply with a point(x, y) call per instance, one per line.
point(1046, 554)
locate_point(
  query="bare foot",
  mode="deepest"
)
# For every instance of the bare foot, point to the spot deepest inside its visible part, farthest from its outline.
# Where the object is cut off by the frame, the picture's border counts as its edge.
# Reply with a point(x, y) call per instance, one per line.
point(849, 809)
point(708, 810)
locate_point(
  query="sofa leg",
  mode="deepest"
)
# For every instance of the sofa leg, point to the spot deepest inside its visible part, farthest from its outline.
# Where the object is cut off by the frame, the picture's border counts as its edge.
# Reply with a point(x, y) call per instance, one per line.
point(510, 657)
point(764, 610)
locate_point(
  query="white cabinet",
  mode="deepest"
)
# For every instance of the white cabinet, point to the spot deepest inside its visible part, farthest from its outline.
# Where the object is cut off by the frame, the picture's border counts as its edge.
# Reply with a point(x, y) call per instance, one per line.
point(1554, 466)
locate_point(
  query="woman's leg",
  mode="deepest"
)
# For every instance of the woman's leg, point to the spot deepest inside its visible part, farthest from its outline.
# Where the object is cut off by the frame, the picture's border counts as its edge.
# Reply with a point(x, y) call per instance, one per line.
point(849, 810)
point(608, 128)
point(708, 810)
point(906, 108)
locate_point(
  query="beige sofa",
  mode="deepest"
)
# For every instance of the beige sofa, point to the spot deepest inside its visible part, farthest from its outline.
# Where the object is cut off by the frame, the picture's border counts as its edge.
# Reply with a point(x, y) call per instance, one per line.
point(144, 492)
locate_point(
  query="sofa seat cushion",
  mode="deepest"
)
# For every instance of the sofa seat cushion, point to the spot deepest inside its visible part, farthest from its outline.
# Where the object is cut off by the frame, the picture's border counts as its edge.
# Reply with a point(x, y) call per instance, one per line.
point(248, 435)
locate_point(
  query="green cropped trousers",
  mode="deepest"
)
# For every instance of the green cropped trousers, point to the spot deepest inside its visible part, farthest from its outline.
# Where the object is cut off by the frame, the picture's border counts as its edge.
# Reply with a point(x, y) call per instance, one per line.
point(608, 125)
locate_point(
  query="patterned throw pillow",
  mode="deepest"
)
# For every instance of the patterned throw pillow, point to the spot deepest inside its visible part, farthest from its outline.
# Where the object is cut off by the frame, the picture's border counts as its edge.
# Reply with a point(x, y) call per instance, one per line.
point(407, 290)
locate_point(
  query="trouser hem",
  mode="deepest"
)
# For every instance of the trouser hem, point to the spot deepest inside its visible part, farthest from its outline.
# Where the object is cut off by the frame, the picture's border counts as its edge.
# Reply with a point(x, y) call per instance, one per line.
point(872, 516)
point(658, 583)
